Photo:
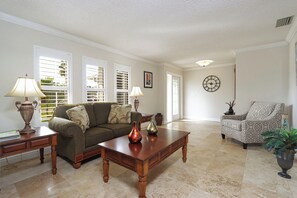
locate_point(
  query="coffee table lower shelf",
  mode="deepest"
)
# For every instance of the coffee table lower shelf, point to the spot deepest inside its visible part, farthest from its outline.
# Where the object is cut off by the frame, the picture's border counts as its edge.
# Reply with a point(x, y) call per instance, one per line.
point(138, 164)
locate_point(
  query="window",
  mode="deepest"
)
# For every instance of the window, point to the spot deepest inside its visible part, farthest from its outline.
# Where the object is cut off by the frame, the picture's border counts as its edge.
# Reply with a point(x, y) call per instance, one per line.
point(94, 80)
point(52, 69)
point(122, 83)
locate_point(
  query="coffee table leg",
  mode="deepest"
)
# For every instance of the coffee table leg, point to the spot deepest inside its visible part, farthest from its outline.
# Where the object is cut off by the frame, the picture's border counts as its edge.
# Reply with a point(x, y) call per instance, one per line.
point(54, 159)
point(142, 171)
point(41, 152)
point(54, 154)
point(185, 150)
point(105, 165)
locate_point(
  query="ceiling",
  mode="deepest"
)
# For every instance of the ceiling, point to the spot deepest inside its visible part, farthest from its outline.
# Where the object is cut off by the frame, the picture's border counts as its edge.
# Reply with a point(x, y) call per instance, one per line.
point(177, 32)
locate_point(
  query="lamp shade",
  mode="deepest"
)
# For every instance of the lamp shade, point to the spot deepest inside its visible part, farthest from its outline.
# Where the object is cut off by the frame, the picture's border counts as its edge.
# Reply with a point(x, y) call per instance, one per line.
point(25, 87)
point(136, 91)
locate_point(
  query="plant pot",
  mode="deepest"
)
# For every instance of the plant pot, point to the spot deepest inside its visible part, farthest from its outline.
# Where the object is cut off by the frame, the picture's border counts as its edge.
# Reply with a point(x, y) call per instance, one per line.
point(231, 111)
point(285, 160)
point(159, 119)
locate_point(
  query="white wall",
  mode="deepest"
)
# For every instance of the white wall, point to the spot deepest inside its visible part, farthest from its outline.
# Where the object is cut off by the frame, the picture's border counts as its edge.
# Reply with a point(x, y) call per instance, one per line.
point(292, 95)
point(16, 55)
point(261, 75)
point(200, 104)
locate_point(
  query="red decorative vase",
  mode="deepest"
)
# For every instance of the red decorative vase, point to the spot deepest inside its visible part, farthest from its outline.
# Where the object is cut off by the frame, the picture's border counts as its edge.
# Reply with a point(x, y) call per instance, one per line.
point(134, 136)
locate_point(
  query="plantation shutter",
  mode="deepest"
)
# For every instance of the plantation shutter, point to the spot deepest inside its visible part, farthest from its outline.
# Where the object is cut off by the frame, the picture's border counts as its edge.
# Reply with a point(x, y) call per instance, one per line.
point(122, 86)
point(54, 84)
point(95, 83)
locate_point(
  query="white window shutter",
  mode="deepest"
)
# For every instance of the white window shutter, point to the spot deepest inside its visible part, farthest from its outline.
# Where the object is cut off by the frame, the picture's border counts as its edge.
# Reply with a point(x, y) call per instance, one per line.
point(122, 84)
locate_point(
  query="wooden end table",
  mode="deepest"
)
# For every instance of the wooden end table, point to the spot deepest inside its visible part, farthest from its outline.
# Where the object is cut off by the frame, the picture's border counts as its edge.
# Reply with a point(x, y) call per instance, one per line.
point(143, 156)
point(43, 137)
point(145, 117)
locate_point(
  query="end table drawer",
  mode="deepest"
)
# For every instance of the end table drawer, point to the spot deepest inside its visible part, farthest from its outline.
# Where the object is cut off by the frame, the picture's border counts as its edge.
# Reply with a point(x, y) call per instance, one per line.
point(40, 142)
point(14, 147)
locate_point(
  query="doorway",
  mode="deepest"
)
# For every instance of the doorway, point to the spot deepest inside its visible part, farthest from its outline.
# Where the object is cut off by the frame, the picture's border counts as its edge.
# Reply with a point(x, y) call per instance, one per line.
point(173, 97)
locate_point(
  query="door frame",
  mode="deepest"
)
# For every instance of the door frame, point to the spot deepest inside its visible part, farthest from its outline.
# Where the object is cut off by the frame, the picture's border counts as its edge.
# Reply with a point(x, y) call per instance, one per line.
point(180, 95)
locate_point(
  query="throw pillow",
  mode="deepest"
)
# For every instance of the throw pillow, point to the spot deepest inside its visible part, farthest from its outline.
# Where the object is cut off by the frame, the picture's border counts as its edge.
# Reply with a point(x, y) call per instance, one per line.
point(120, 114)
point(260, 111)
point(80, 116)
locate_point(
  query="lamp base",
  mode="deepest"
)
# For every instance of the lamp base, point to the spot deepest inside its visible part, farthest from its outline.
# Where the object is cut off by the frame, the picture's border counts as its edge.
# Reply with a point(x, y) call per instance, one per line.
point(27, 130)
point(136, 104)
point(26, 110)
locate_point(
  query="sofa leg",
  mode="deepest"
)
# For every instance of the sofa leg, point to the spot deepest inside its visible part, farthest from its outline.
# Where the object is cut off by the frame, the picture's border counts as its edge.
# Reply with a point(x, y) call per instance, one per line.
point(223, 136)
point(244, 146)
point(76, 165)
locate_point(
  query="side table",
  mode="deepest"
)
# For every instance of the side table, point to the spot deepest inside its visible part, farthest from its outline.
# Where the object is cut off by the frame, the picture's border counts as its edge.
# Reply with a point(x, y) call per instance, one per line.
point(145, 117)
point(43, 137)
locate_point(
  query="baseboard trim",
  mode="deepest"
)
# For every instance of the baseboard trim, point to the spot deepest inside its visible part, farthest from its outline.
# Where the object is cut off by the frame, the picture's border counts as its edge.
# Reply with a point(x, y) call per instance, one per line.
point(201, 118)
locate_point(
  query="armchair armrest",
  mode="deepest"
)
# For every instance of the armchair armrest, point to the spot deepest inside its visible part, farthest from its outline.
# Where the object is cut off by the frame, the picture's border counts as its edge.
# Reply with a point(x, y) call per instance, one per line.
point(234, 117)
point(65, 127)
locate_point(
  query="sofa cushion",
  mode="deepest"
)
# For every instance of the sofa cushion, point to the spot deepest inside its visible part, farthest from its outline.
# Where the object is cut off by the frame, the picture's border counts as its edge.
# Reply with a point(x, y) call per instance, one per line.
point(90, 110)
point(260, 111)
point(120, 114)
point(60, 111)
point(101, 110)
point(80, 116)
point(118, 129)
point(234, 124)
point(95, 135)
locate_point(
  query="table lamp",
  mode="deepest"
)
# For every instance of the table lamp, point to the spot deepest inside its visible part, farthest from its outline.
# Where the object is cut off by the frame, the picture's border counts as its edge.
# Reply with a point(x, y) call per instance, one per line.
point(26, 87)
point(136, 91)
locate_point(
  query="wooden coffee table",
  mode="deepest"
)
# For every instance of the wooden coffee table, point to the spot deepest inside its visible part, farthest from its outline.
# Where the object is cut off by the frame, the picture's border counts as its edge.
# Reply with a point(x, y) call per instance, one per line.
point(143, 156)
point(43, 137)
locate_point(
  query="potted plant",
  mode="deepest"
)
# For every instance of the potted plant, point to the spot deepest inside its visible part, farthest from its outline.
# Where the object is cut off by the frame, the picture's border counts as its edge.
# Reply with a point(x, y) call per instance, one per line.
point(283, 143)
point(230, 110)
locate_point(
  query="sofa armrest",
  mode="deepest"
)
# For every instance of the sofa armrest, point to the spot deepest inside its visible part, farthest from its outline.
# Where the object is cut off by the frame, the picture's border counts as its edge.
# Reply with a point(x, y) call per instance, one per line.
point(64, 127)
point(234, 117)
point(136, 116)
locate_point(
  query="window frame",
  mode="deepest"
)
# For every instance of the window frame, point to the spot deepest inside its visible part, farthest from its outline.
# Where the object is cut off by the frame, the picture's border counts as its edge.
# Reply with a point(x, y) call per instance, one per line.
point(125, 68)
point(94, 62)
point(53, 53)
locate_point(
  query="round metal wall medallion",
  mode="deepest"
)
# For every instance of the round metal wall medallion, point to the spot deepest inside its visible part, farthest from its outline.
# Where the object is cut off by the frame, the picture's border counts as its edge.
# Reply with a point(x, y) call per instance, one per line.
point(211, 83)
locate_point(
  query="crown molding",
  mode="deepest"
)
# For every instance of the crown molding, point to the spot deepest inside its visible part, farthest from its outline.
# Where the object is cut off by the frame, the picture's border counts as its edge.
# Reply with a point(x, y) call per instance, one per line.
point(209, 67)
point(292, 30)
point(172, 66)
point(260, 47)
point(64, 35)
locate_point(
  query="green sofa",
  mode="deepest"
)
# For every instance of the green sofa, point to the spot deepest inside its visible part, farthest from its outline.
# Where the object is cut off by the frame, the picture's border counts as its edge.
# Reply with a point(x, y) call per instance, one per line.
point(77, 146)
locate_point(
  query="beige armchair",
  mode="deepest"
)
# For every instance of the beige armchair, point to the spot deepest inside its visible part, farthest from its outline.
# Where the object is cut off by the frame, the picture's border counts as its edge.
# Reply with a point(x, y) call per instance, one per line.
point(247, 128)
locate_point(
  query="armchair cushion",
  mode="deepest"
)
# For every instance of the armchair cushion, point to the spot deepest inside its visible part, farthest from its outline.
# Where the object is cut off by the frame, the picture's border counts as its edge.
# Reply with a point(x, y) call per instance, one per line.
point(260, 111)
point(234, 124)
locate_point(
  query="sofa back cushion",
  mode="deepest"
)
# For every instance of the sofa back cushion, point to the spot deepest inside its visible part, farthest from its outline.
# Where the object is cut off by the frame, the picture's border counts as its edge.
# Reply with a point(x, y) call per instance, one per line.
point(90, 110)
point(60, 112)
point(260, 111)
point(101, 110)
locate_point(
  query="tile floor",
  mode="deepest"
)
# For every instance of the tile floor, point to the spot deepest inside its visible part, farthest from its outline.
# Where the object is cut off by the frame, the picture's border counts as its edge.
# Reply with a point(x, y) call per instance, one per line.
point(215, 168)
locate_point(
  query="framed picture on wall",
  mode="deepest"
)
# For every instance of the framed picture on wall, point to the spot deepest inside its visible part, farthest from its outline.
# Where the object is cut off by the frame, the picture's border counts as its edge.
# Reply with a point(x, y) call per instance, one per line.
point(148, 79)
